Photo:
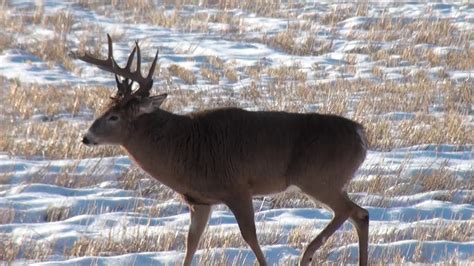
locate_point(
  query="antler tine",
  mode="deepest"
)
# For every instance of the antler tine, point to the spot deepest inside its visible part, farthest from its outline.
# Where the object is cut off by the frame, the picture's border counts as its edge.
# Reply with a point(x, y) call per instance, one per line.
point(139, 59)
point(125, 87)
point(118, 84)
point(145, 88)
point(111, 48)
point(130, 59)
point(120, 88)
point(111, 59)
point(153, 65)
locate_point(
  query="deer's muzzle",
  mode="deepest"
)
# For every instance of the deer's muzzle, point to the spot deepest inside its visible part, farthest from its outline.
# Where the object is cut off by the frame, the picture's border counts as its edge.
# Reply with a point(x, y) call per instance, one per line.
point(87, 141)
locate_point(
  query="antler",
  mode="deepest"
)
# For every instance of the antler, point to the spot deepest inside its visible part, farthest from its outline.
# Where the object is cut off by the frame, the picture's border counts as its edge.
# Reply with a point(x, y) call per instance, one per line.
point(124, 87)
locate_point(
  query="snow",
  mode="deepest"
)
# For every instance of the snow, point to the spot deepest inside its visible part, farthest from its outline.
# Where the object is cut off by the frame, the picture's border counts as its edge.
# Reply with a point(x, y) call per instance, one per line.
point(106, 208)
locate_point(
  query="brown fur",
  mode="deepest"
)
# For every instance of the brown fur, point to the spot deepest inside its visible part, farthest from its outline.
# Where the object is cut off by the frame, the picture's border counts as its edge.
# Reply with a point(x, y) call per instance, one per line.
point(202, 155)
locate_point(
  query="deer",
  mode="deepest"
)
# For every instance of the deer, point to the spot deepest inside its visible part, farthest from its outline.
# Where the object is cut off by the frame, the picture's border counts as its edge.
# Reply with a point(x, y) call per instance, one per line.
point(229, 155)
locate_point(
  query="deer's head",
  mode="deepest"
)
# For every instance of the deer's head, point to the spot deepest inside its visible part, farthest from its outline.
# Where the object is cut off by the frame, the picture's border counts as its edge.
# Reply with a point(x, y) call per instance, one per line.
point(114, 125)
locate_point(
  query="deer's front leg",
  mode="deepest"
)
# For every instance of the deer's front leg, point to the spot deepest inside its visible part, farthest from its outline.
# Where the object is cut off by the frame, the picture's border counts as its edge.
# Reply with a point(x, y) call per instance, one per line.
point(242, 208)
point(199, 217)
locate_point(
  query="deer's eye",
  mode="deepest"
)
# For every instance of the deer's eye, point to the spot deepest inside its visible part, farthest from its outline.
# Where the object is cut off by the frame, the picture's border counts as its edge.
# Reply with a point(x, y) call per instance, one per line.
point(113, 118)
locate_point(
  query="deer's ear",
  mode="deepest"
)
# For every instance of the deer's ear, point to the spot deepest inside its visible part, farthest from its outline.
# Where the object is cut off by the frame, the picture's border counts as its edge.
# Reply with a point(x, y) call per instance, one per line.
point(151, 104)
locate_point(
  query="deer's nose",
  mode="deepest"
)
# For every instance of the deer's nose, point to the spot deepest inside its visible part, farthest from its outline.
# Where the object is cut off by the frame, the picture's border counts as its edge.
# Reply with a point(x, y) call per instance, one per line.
point(85, 140)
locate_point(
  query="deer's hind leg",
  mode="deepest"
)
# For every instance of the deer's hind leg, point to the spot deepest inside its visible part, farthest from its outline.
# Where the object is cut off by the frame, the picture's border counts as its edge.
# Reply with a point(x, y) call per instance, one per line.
point(360, 219)
point(341, 214)
point(343, 209)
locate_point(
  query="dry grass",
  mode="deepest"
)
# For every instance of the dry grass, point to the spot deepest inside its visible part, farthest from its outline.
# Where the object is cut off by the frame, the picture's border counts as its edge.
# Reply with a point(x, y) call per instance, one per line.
point(231, 74)
point(53, 54)
point(148, 239)
point(287, 73)
point(6, 42)
point(455, 60)
point(56, 213)
point(56, 139)
point(29, 249)
point(426, 29)
point(398, 183)
point(8, 215)
point(212, 76)
point(288, 42)
point(429, 31)
point(185, 75)
point(254, 71)
point(213, 69)
point(25, 101)
point(216, 62)
point(138, 242)
point(37, 126)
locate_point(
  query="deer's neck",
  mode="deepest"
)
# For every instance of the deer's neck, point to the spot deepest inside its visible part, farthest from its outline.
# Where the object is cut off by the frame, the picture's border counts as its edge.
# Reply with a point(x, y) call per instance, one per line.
point(153, 143)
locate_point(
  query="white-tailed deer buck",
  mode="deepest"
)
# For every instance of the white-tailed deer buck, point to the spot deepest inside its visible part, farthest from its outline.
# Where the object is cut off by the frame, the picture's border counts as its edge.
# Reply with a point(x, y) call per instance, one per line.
point(229, 155)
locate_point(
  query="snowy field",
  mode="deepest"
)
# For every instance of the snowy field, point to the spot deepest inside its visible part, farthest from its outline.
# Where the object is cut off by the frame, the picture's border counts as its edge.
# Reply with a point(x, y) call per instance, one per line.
point(405, 71)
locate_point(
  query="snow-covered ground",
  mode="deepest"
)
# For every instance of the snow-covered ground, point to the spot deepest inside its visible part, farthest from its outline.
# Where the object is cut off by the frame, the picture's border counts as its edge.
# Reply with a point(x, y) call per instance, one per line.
point(421, 199)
